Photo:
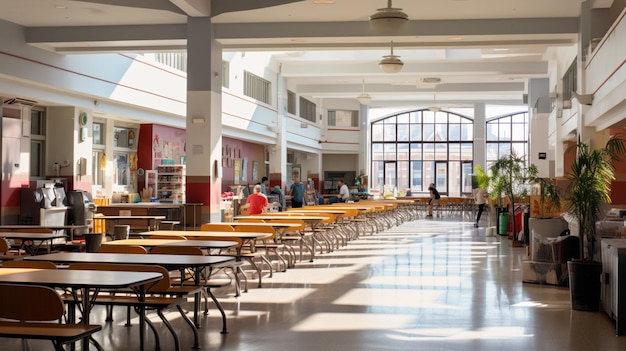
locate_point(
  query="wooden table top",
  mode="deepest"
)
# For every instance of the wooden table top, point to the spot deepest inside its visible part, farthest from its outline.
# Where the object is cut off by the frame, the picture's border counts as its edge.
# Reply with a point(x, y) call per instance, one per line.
point(205, 244)
point(115, 218)
point(70, 278)
point(31, 236)
point(262, 224)
point(207, 234)
point(167, 261)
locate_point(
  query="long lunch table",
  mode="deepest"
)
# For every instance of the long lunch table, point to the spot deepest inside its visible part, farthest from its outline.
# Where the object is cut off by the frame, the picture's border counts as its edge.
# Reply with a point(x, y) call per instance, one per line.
point(311, 221)
point(25, 227)
point(150, 243)
point(169, 262)
point(279, 227)
point(29, 240)
point(88, 282)
point(246, 237)
point(155, 220)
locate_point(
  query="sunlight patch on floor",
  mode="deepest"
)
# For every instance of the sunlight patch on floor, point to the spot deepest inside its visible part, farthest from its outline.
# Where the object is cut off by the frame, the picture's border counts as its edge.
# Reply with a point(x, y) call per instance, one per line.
point(443, 281)
point(276, 295)
point(401, 298)
point(440, 334)
point(334, 322)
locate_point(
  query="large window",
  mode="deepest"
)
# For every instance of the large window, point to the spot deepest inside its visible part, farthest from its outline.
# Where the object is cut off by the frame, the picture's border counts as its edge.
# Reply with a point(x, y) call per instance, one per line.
point(343, 118)
point(412, 150)
point(37, 143)
point(257, 88)
point(307, 109)
point(291, 102)
point(505, 135)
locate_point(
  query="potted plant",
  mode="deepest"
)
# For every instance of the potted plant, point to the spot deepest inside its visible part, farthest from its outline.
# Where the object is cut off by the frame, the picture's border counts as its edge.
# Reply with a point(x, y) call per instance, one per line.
point(510, 176)
point(591, 174)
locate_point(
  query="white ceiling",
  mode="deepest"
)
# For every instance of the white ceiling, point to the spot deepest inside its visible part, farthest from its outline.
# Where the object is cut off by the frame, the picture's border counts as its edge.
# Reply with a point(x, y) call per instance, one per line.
point(482, 50)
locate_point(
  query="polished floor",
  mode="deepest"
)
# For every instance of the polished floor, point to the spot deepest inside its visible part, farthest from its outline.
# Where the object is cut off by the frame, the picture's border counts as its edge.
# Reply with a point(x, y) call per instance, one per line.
point(424, 285)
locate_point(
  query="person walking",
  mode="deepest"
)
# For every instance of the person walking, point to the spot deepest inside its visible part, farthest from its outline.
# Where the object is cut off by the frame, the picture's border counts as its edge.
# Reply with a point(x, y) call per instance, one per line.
point(434, 199)
point(297, 193)
point(480, 196)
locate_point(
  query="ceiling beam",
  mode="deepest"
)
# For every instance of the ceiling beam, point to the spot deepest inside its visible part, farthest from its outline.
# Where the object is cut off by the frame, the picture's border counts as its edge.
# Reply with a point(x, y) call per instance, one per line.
point(229, 32)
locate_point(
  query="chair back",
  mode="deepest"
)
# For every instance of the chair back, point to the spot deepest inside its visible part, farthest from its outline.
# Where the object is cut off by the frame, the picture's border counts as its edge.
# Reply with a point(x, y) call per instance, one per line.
point(30, 303)
point(129, 249)
point(4, 246)
point(216, 227)
point(168, 237)
point(295, 220)
point(159, 286)
point(239, 241)
point(177, 250)
point(257, 229)
point(29, 264)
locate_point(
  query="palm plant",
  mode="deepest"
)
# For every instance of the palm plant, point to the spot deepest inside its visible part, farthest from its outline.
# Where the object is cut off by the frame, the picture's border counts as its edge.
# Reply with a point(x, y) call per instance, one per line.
point(591, 174)
point(510, 176)
point(549, 193)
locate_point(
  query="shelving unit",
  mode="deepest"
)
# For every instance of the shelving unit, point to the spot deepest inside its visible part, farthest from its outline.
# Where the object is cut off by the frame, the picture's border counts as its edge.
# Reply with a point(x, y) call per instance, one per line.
point(171, 183)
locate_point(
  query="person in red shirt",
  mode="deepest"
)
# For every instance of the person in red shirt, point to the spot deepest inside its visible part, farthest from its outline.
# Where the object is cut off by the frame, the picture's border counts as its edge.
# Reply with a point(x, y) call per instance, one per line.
point(257, 201)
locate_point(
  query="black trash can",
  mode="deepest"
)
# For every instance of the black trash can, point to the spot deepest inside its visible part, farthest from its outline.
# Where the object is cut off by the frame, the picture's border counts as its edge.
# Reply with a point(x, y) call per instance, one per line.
point(93, 241)
point(121, 232)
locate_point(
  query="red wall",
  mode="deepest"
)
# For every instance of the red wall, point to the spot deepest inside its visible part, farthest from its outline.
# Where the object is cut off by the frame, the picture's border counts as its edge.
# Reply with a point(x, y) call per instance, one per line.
point(242, 149)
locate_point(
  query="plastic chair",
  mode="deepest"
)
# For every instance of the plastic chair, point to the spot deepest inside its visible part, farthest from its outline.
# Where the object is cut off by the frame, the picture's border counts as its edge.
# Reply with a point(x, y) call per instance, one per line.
point(129, 249)
point(216, 227)
point(204, 281)
point(32, 303)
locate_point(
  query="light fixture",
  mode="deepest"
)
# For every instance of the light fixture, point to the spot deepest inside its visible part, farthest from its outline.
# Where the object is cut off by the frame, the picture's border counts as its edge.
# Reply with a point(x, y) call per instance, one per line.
point(389, 20)
point(391, 63)
point(364, 98)
point(434, 107)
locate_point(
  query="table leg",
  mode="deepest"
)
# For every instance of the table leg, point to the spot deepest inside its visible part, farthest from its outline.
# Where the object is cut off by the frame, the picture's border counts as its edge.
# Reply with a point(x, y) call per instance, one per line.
point(86, 309)
point(142, 317)
point(196, 298)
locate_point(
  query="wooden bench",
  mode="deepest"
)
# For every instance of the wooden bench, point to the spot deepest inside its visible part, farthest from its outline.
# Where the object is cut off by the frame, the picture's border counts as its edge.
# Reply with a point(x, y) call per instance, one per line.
point(33, 312)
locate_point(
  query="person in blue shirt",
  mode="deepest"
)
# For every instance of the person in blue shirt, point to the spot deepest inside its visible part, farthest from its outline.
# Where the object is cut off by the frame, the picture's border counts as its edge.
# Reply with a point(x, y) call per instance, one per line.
point(264, 183)
point(297, 193)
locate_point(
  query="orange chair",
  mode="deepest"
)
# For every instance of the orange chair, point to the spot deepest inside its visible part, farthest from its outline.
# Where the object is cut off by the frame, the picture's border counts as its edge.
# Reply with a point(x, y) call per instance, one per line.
point(129, 249)
point(216, 227)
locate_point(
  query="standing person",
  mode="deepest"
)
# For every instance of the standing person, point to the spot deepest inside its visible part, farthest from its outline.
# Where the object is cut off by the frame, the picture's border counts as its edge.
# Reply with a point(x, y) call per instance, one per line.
point(434, 199)
point(480, 195)
point(297, 193)
point(257, 201)
point(264, 184)
point(344, 192)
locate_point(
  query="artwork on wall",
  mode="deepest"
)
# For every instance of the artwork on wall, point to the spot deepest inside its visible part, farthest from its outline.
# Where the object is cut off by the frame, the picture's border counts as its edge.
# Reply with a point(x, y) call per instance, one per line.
point(244, 170)
point(255, 171)
point(237, 171)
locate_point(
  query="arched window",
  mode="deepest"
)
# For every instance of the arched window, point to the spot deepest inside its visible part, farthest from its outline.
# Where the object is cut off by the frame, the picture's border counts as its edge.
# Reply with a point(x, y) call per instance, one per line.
point(507, 134)
point(413, 149)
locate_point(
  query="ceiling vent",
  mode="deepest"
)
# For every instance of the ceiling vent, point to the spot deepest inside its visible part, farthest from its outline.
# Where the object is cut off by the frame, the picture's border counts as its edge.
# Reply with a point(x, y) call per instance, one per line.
point(431, 80)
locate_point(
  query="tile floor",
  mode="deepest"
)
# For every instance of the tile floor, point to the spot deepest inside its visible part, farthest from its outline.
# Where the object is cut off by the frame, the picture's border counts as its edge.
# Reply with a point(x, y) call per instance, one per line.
point(424, 285)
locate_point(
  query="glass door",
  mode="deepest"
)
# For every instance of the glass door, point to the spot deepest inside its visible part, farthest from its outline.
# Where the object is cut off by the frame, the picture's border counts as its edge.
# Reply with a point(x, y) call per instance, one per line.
point(441, 177)
point(390, 173)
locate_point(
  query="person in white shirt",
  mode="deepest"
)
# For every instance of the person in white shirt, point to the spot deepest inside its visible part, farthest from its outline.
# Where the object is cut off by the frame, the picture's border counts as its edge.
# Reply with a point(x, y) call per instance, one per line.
point(480, 196)
point(344, 192)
